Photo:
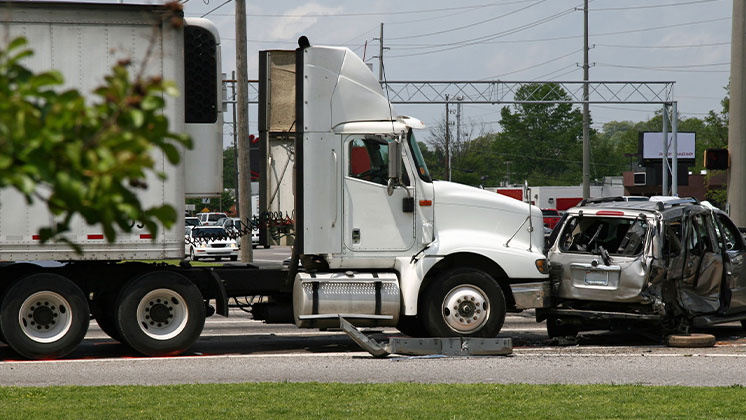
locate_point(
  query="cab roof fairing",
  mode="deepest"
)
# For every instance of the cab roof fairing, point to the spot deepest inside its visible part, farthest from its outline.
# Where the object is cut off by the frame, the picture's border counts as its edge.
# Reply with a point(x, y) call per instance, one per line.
point(339, 77)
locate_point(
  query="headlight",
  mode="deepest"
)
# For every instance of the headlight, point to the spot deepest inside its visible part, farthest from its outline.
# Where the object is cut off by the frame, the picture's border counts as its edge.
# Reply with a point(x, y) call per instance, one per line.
point(233, 245)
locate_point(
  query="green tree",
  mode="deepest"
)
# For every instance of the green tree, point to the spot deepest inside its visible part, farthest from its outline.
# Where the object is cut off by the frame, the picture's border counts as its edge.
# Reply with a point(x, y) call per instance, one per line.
point(543, 141)
point(80, 159)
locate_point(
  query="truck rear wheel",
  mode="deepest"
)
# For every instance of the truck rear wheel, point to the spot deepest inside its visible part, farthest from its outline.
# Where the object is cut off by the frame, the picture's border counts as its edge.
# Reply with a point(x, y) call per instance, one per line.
point(103, 310)
point(464, 302)
point(160, 314)
point(44, 316)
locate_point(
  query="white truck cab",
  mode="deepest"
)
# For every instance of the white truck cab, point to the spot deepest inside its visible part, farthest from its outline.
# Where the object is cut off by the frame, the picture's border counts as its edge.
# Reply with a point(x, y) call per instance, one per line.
point(380, 241)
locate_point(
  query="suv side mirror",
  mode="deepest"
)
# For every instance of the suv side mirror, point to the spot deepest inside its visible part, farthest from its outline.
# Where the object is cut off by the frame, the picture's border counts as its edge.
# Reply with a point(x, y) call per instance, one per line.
point(657, 245)
point(395, 168)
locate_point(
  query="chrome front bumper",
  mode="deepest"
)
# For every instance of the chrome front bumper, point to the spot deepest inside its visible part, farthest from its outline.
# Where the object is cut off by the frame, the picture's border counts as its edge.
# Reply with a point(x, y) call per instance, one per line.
point(531, 295)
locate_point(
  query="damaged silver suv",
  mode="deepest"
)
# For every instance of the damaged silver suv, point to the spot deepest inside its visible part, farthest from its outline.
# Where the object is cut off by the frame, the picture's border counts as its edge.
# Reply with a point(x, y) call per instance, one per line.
point(672, 264)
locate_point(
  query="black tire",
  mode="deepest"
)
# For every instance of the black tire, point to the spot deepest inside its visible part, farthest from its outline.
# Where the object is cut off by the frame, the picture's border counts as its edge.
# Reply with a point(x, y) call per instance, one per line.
point(55, 316)
point(266, 246)
point(743, 324)
point(456, 298)
point(103, 310)
point(558, 327)
point(179, 314)
point(411, 326)
point(234, 258)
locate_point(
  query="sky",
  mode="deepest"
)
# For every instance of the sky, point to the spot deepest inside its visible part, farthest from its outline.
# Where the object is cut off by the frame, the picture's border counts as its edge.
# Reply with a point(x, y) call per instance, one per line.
point(684, 41)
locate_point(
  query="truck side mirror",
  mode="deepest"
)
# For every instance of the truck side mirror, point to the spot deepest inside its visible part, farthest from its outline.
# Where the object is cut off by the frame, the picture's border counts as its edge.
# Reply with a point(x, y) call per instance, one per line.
point(395, 168)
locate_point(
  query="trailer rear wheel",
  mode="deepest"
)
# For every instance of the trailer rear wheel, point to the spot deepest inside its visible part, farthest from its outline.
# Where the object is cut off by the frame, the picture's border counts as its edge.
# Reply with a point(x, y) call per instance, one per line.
point(104, 311)
point(160, 314)
point(464, 302)
point(44, 316)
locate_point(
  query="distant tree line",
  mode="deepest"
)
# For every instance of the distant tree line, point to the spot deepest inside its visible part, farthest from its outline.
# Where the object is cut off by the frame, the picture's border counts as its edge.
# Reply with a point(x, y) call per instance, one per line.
point(543, 143)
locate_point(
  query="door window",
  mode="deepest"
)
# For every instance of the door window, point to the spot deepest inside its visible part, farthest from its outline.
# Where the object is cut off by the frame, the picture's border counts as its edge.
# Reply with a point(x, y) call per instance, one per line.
point(730, 233)
point(369, 160)
point(698, 242)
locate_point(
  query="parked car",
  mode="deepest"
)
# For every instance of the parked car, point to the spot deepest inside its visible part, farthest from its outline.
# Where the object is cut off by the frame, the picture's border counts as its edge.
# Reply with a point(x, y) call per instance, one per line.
point(673, 264)
point(235, 225)
point(551, 217)
point(209, 242)
point(211, 219)
point(192, 221)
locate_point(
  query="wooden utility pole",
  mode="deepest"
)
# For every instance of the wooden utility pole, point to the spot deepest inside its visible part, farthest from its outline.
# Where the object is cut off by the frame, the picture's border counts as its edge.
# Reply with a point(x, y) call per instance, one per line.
point(737, 124)
point(586, 111)
point(242, 104)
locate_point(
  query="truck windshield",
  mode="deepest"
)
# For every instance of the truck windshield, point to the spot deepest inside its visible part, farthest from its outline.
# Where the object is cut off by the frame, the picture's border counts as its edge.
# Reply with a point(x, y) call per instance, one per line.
point(419, 161)
point(619, 236)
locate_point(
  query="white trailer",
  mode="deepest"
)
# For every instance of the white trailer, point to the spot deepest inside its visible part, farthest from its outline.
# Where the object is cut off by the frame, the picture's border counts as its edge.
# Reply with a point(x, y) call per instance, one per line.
point(380, 242)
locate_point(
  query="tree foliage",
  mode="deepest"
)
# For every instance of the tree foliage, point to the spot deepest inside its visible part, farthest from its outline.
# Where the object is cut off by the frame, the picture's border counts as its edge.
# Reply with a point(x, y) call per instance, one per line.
point(543, 144)
point(82, 159)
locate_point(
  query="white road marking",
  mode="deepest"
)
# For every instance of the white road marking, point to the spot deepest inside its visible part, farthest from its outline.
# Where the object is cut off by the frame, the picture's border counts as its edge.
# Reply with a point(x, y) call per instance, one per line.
point(351, 354)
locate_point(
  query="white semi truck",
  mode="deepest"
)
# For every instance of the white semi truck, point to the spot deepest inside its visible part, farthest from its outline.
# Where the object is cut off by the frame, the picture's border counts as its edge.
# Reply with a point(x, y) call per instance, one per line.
point(380, 243)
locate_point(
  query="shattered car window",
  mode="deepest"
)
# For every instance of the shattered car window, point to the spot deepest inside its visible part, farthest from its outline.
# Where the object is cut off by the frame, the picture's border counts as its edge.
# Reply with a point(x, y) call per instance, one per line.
point(673, 234)
point(618, 236)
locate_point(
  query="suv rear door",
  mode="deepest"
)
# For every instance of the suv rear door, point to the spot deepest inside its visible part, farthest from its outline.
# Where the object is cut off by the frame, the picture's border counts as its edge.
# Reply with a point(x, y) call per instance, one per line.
point(586, 274)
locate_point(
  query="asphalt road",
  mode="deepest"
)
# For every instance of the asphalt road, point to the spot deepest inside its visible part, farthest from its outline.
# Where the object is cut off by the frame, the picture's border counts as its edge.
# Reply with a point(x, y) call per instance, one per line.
point(238, 349)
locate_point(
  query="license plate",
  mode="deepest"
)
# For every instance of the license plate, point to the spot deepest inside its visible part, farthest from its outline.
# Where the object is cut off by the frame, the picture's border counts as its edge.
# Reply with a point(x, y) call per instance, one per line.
point(596, 278)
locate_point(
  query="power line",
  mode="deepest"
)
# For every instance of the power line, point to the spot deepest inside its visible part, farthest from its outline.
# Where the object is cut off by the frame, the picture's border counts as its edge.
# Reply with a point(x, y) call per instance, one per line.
point(490, 39)
point(535, 65)
point(714, 44)
point(563, 74)
point(543, 76)
point(479, 40)
point(216, 8)
point(682, 69)
point(651, 6)
point(471, 24)
point(403, 12)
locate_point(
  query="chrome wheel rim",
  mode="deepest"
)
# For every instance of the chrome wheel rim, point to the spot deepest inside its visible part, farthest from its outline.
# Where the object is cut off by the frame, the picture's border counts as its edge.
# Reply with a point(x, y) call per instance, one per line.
point(466, 309)
point(45, 317)
point(162, 314)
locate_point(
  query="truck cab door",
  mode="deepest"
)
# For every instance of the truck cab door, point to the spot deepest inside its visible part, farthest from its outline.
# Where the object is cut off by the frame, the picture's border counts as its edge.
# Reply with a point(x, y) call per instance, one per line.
point(700, 285)
point(373, 219)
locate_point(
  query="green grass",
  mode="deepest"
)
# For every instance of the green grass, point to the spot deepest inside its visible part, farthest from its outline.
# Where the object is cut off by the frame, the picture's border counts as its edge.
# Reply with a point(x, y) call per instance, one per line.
point(372, 401)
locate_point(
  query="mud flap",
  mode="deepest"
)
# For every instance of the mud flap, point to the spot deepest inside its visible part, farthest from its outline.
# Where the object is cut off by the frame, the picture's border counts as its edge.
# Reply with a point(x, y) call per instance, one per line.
point(447, 346)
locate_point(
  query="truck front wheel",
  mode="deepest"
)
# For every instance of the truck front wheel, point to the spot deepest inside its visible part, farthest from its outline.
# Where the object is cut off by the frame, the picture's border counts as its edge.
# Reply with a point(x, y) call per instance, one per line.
point(44, 316)
point(464, 302)
point(160, 314)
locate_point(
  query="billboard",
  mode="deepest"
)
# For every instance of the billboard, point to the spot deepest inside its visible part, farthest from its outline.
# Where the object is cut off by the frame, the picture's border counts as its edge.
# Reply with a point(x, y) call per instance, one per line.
point(651, 145)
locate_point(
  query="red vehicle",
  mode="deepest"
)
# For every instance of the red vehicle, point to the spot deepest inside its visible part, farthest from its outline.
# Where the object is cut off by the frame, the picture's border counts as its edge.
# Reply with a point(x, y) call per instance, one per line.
point(551, 217)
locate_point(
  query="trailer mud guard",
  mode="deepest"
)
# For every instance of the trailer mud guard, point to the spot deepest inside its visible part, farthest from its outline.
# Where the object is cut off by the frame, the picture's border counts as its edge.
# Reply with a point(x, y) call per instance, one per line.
point(221, 296)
